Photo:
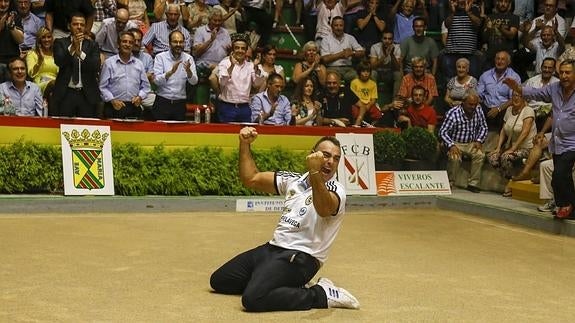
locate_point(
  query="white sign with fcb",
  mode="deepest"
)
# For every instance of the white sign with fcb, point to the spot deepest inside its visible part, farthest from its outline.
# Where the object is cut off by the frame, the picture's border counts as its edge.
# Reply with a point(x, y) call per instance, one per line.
point(356, 169)
point(87, 160)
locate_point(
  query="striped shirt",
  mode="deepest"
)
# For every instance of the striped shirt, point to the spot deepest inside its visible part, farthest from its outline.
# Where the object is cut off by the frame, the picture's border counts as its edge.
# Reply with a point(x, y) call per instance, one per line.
point(458, 128)
point(158, 37)
point(462, 35)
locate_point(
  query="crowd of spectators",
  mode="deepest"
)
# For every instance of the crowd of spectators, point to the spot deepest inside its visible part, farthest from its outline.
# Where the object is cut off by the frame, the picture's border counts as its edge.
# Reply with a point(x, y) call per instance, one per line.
point(372, 63)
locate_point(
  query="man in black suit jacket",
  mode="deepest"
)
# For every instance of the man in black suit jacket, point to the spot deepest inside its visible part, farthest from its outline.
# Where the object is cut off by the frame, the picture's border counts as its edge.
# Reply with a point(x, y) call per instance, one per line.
point(76, 92)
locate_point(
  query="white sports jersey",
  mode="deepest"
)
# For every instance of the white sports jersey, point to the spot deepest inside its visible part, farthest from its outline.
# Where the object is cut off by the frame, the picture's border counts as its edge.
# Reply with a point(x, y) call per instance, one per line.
point(300, 227)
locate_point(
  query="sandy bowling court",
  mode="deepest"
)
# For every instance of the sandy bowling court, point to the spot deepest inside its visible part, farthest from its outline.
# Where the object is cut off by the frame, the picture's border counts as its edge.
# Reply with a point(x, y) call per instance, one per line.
point(417, 265)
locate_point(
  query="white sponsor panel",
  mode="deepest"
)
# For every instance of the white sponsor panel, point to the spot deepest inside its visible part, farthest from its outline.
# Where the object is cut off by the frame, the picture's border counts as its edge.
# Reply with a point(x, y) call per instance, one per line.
point(412, 183)
point(87, 160)
point(356, 169)
point(259, 205)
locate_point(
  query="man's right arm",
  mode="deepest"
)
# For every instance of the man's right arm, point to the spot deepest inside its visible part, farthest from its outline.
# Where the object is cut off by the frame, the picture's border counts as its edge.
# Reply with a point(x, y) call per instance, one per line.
point(250, 176)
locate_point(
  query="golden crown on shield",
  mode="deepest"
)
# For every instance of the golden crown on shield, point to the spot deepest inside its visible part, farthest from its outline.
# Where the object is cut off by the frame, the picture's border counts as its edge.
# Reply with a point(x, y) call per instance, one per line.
point(84, 140)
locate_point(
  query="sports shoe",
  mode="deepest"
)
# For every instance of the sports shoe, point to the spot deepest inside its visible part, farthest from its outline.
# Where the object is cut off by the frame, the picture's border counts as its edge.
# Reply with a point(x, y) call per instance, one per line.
point(549, 206)
point(337, 296)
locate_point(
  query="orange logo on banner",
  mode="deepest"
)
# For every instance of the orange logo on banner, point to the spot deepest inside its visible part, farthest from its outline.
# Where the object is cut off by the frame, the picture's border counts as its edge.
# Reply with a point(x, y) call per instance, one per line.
point(385, 183)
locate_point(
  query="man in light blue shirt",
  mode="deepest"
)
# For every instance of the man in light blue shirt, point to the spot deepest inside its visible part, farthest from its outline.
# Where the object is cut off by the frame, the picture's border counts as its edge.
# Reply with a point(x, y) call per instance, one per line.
point(172, 71)
point(20, 97)
point(270, 106)
point(30, 23)
point(148, 62)
point(107, 36)
point(123, 82)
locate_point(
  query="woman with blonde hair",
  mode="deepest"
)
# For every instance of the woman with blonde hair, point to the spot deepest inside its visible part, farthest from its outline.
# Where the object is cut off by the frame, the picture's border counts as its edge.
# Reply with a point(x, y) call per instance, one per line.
point(40, 61)
point(311, 67)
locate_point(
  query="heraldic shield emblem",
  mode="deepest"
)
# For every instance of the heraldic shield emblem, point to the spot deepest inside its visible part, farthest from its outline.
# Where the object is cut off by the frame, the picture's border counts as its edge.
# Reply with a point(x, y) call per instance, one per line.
point(86, 160)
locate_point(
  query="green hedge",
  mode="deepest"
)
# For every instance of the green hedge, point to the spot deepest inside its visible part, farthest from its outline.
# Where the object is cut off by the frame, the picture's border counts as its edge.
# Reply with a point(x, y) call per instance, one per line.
point(27, 167)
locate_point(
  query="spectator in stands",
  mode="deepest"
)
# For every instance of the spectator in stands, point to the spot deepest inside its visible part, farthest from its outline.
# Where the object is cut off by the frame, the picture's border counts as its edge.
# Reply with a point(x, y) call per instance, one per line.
point(494, 93)
point(11, 36)
point(550, 44)
point(419, 45)
point(524, 58)
point(211, 44)
point(311, 67)
point(538, 81)
point(337, 103)
point(338, 49)
point(236, 77)
point(418, 113)
point(161, 10)
point(371, 24)
point(59, 15)
point(385, 60)
point(20, 97)
point(366, 111)
point(231, 15)
point(40, 62)
point(459, 84)
point(500, 32)
point(550, 17)
point(561, 143)
point(463, 132)
point(310, 19)
point(76, 92)
point(515, 138)
point(256, 12)
point(30, 25)
point(326, 11)
point(463, 25)
point(304, 106)
point(158, 34)
point(138, 13)
point(148, 62)
point(270, 106)
point(199, 15)
point(268, 63)
point(103, 9)
point(123, 81)
point(107, 36)
point(403, 20)
point(418, 76)
point(172, 70)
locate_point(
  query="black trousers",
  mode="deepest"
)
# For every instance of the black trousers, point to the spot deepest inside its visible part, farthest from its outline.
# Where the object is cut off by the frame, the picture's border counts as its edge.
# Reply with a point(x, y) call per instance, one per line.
point(562, 179)
point(128, 111)
point(75, 104)
point(165, 109)
point(271, 278)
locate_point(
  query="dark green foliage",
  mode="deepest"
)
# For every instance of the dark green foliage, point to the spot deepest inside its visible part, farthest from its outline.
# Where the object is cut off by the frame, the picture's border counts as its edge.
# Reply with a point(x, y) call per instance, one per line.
point(389, 147)
point(27, 167)
point(420, 143)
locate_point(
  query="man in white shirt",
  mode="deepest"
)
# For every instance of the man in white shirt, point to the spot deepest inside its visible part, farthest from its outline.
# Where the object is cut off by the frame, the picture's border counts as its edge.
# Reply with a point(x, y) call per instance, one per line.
point(272, 277)
point(172, 70)
point(236, 78)
point(338, 49)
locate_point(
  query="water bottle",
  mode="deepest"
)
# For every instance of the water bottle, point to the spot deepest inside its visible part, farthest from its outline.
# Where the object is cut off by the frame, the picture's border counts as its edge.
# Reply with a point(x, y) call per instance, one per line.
point(197, 115)
point(208, 113)
point(261, 118)
point(45, 108)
